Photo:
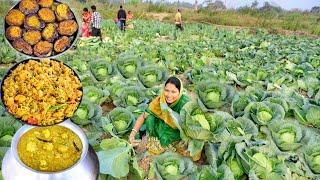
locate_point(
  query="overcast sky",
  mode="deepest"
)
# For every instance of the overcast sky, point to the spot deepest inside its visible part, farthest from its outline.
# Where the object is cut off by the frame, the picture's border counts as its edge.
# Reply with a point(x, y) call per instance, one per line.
point(285, 4)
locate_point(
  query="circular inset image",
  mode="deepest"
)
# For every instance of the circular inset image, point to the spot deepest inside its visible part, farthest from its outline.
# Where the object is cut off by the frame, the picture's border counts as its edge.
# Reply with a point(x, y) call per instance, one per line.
point(50, 149)
point(30, 22)
point(41, 92)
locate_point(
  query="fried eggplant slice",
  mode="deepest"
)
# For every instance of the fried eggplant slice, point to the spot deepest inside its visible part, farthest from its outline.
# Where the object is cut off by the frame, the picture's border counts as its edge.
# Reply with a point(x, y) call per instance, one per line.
point(15, 17)
point(32, 21)
point(43, 48)
point(50, 33)
point(13, 32)
point(67, 27)
point(45, 3)
point(61, 44)
point(28, 6)
point(32, 37)
point(63, 12)
point(22, 46)
point(47, 15)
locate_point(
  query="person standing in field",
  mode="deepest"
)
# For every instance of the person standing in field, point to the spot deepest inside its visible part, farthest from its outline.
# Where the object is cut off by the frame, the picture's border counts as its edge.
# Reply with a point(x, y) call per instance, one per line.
point(122, 16)
point(178, 20)
point(95, 22)
point(86, 17)
point(129, 21)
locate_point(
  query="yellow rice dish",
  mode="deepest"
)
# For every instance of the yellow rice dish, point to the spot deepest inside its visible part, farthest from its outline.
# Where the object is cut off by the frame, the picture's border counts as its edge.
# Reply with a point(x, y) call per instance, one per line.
point(42, 92)
point(49, 149)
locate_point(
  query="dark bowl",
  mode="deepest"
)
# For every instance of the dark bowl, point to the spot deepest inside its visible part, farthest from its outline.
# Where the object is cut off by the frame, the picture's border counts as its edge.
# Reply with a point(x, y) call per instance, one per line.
point(23, 62)
point(53, 54)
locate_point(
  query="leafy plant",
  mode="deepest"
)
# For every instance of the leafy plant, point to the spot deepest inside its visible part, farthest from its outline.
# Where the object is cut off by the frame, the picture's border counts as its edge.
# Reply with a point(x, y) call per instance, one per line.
point(130, 96)
point(242, 127)
point(308, 114)
point(213, 95)
point(287, 136)
point(197, 124)
point(116, 158)
point(264, 113)
point(172, 166)
point(101, 69)
point(120, 120)
point(95, 94)
point(151, 76)
point(86, 113)
point(128, 66)
point(258, 164)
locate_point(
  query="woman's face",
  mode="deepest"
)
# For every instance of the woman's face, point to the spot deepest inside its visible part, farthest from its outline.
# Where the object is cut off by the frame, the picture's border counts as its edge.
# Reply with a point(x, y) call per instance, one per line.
point(171, 93)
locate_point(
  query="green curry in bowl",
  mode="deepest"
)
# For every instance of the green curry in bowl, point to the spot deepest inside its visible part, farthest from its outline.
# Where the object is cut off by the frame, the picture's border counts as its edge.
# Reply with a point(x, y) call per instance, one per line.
point(49, 149)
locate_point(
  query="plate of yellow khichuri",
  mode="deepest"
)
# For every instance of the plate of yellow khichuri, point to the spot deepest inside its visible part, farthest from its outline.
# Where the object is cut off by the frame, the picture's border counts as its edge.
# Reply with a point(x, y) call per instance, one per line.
point(41, 92)
point(49, 149)
point(41, 28)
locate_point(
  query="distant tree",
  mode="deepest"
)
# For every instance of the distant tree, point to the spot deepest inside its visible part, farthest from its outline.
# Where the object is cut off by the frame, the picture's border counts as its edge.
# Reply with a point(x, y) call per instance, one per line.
point(254, 4)
point(296, 10)
point(268, 7)
point(315, 9)
point(196, 5)
point(217, 5)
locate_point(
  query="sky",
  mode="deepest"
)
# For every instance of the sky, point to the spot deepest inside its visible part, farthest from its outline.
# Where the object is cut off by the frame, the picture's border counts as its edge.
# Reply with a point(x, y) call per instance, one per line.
point(285, 4)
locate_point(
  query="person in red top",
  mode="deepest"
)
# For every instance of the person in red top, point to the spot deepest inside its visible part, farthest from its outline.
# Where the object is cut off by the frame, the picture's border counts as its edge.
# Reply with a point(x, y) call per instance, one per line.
point(86, 17)
point(129, 20)
point(129, 15)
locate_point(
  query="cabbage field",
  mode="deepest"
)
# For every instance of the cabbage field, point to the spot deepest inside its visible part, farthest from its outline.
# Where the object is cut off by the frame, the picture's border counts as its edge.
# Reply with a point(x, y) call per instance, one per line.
point(255, 110)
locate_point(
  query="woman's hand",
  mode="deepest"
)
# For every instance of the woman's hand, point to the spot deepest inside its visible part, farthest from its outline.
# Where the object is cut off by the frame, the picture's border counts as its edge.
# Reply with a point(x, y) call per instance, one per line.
point(135, 130)
point(132, 139)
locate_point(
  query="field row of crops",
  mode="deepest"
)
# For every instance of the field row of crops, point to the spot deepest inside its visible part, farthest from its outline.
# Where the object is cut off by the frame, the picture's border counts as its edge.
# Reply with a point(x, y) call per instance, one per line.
point(256, 100)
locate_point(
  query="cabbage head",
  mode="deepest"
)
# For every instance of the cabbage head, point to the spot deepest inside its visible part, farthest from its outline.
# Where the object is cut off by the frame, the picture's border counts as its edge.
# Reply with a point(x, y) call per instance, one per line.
point(279, 100)
point(151, 76)
point(264, 113)
point(312, 156)
point(121, 119)
point(87, 79)
point(172, 166)
point(239, 103)
point(223, 172)
point(246, 78)
point(308, 115)
point(100, 69)
point(78, 65)
point(242, 126)
point(95, 95)
point(287, 136)
point(258, 164)
point(85, 112)
point(235, 167)
point(198, 74)
point(128, 67)
point(213, 95)
point(130, 96)
point(200, 125)
point(115, 89)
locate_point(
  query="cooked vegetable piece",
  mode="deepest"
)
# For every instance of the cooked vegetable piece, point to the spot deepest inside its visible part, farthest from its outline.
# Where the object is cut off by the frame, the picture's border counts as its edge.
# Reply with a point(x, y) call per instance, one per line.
point(15, 17)
point(38, 151)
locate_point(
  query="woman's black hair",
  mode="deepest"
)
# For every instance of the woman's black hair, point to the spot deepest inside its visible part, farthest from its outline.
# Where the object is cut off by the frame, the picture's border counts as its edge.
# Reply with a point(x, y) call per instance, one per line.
point(85, 9)
point(175, 81)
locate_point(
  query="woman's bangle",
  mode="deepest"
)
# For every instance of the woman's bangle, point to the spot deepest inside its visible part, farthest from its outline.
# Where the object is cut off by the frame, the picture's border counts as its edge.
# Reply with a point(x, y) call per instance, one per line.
point(134, 130)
